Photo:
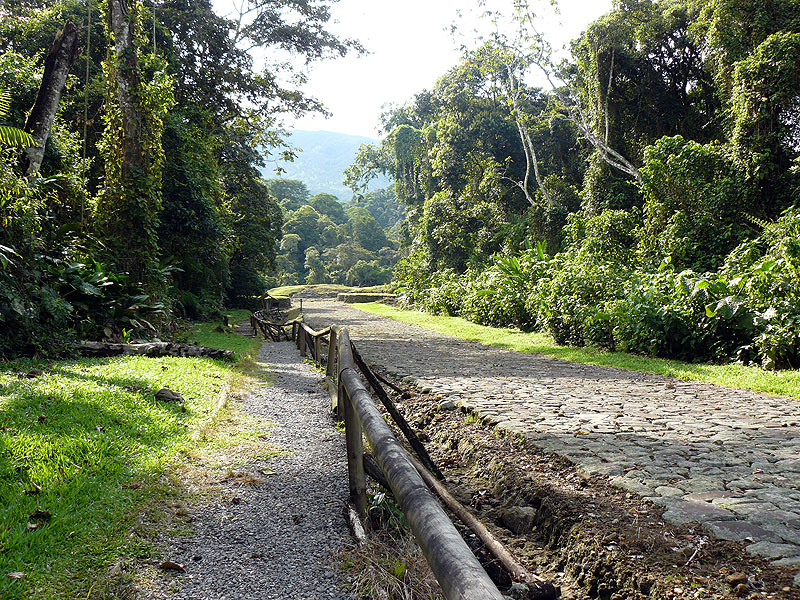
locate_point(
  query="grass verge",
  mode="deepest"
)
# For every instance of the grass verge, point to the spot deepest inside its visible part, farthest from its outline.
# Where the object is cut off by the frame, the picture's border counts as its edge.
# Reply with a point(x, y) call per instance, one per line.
point(781, 383)
point(83, 448)
point(331, 289)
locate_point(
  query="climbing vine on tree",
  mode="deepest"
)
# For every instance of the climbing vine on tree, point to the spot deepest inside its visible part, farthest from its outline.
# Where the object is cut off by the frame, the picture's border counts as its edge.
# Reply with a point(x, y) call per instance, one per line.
point(138, 95)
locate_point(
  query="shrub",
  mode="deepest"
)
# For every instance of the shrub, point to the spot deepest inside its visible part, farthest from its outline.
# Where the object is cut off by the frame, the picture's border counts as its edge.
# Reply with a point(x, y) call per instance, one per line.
point(695, 196)
point(765, 274)
point(608, 237)
point(680, 315)
point(572, 305)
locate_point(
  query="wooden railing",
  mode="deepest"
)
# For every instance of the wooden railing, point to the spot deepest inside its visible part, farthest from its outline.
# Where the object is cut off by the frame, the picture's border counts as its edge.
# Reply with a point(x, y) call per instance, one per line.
point(273, 323)
point(455, 567)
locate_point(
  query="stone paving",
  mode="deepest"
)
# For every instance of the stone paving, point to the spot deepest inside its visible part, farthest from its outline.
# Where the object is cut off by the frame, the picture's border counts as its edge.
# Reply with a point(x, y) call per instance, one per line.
point(727, 458)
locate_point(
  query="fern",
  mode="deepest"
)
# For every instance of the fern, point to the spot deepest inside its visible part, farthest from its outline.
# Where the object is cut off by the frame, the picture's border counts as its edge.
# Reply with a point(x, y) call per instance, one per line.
point(756, 221)
point(5, 102)
point(12, 137)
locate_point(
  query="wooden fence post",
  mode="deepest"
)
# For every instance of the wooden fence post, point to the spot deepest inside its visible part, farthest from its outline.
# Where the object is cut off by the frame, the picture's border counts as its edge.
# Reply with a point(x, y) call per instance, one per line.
point(318, 349)
point(332, 373)
point(301, 336)
point(355, 456)
point(330, 368)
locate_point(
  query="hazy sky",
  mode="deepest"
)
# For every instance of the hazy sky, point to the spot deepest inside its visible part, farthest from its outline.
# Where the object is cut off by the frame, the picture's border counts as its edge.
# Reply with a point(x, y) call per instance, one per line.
point(410, 46)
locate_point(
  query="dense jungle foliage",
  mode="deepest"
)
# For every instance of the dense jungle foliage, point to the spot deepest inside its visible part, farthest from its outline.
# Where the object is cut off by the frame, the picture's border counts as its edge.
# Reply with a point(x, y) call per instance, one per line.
point(148, 204)
point(645, 200)
point(325, 241)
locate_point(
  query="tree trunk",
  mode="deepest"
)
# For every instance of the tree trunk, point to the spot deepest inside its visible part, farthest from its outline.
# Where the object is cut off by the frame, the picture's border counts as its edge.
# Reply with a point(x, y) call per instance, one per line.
point(57, 65)
point(128, 79)
point(152, 349)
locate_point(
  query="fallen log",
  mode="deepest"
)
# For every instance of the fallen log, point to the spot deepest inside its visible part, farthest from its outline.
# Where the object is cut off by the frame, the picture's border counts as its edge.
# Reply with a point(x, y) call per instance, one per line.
point(152, 349)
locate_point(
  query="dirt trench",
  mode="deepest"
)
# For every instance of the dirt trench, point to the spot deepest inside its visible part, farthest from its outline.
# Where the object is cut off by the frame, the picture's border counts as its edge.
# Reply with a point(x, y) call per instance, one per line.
point(587, 537)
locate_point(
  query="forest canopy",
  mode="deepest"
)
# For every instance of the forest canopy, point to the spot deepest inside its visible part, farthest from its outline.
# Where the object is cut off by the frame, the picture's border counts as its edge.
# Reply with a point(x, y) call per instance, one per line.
point(138, 197)
point(644, 199)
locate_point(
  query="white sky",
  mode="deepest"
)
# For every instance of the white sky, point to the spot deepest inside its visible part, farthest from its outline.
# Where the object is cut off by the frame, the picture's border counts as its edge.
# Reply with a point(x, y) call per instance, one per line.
point(410, 47)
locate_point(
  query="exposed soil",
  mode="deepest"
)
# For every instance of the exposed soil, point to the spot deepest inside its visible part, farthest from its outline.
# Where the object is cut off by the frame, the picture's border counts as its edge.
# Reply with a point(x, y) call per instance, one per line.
point(587, 537)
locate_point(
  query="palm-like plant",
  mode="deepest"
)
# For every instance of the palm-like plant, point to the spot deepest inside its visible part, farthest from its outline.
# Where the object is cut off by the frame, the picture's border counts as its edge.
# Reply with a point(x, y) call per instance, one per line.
point(11, 137)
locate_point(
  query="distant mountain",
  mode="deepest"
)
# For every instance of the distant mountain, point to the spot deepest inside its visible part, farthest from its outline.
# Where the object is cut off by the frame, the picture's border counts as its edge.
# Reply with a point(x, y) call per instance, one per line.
point(321, 164)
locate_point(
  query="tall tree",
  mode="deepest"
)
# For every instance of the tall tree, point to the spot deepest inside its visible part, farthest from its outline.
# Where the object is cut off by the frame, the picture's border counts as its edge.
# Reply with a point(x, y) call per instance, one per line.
point(130, 200)
point(59, 61)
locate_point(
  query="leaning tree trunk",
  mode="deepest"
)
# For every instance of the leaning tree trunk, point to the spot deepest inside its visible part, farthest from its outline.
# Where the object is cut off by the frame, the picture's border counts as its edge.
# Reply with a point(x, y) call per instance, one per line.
point(57, 65)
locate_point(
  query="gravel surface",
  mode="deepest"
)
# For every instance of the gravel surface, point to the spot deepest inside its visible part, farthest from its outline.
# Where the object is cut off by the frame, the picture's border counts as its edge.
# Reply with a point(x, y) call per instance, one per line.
point(273, 539)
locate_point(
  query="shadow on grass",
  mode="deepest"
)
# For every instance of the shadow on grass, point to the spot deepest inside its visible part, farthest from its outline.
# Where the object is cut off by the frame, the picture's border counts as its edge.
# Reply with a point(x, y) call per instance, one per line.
point(90, 447)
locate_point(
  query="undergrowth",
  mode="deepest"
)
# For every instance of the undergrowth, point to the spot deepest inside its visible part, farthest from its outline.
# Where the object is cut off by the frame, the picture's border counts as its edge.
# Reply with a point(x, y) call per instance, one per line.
point(781, 383)
point(390, 564)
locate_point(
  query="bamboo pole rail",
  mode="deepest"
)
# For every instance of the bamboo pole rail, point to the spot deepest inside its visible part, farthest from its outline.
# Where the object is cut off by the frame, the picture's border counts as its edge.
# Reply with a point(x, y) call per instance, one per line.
point(459, 573)
point(415, 488)
point(455, 567)
point(409, 434)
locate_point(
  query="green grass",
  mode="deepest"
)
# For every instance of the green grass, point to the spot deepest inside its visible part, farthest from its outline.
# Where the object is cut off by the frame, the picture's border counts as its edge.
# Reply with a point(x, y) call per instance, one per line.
point(782, 383)
point(91, 436)
point(207, 334)
point(288, 290)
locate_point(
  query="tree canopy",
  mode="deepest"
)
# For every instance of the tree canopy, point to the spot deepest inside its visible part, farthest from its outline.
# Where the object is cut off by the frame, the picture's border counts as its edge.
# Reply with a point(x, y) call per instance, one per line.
point(148, 203)
point(613, 206)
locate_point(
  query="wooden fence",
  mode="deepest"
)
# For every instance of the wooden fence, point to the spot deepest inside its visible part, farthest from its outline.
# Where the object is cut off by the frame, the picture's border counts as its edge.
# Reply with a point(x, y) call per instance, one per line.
point(413, 482)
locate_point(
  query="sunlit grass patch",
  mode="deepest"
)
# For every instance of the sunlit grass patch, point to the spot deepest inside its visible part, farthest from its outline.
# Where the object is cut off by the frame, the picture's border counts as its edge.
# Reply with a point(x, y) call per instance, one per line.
point(209, 334)
point(288, 290)
point(86, 444)
point(782, 383)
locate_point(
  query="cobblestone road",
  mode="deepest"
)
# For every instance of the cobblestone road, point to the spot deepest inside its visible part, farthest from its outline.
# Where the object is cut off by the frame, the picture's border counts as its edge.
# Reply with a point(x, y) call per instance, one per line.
point(729, 459)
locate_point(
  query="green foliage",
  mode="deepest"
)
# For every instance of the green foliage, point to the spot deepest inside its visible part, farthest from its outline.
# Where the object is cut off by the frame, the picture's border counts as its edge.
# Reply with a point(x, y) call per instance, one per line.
point(317, 273)
point(365, 229)
point(573, 304)
point(764, 276)
point(257, 229)
point(695, 198)
point(366, 274)
point(765, 106)
point(29, 271)
point(384, 206)
point(194, 229)
point(290, 193)
point(130, 200)
point(324, 242)
point(11, 137)
point(747, 311)
point(329, 205)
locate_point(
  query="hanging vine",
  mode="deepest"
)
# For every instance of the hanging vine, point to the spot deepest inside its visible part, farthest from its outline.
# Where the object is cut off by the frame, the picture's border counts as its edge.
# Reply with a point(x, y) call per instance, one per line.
point(138, 95)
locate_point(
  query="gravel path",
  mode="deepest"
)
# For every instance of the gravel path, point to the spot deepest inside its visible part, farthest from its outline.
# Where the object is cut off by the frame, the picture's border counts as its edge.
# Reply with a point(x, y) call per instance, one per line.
point(274, 540)
point(727, 458)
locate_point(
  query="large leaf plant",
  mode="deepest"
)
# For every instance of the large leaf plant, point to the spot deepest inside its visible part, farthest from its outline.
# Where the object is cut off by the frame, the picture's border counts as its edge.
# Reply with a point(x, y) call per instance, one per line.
point(11, 137)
